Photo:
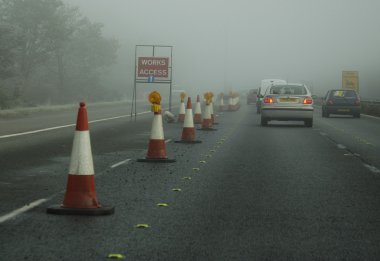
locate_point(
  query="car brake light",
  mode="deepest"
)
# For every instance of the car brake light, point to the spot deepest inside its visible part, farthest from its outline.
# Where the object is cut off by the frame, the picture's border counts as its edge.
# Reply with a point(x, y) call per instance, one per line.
point(268, 100)
point(357, 102)
point(308, 100)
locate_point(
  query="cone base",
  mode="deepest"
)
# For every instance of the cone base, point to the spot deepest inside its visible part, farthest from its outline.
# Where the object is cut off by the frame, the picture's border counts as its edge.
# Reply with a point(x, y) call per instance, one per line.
point(207, 129)
point(59, 210)
point(157, 160)
point(188, 141)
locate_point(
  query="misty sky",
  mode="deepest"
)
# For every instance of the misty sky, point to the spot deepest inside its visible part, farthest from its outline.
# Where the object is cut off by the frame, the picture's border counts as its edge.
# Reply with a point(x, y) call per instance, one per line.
point(223, 45)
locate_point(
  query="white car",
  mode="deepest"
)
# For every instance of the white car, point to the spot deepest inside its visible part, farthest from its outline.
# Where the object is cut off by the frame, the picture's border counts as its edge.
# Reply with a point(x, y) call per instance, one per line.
point(287, 102)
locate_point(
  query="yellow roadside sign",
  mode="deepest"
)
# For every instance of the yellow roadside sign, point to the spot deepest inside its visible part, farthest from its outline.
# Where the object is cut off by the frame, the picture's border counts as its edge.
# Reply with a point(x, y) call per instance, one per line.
point(350, 80)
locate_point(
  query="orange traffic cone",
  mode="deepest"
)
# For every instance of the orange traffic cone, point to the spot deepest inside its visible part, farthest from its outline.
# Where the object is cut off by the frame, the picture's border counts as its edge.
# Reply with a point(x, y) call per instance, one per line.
point(198, 112)
point(181, 115)
point(80, 197)
point(221, 104)
point(188, 132)
point(157, 147)
point(212, 114)
point(207, 121)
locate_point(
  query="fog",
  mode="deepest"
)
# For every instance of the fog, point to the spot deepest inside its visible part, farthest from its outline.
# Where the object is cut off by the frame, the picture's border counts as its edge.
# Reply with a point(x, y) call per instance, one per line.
point(232, 45)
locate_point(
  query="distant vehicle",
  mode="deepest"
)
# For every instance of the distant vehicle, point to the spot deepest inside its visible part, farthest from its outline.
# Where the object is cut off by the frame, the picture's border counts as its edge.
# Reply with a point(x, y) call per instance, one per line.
point(287, 102)
point(263, 87)
point(252, 96)
point(341, 101)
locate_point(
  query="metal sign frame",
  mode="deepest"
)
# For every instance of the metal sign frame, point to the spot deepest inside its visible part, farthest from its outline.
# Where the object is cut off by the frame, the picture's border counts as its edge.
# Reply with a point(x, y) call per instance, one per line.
point(138, 80)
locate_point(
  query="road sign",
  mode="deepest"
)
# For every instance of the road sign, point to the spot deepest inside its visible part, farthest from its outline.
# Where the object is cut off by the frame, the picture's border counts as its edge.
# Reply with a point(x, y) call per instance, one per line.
point(350, 80)
point(153, 66)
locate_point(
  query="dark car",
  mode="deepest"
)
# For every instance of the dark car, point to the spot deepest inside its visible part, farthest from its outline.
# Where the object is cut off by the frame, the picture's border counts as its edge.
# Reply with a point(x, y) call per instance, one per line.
point(341, 101)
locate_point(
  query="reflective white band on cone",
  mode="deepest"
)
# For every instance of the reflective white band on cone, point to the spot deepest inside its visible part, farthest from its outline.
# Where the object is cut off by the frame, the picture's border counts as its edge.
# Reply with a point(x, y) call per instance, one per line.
point(157, 128)
point(81, 162)
point(182, 108)
point(189, 119)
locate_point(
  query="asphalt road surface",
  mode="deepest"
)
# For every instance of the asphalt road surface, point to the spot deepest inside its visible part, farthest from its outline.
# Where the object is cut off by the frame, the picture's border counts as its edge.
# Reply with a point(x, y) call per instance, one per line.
point(247, 192)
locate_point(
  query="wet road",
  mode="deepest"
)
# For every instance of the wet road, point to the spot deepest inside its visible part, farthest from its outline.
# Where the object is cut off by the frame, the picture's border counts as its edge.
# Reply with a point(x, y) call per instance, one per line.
point(247, 192)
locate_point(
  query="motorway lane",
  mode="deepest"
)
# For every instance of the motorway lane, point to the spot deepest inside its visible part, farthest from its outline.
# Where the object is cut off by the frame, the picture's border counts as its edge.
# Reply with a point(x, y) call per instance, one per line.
point(253, 198)
point(66, 116)
point(360, 136)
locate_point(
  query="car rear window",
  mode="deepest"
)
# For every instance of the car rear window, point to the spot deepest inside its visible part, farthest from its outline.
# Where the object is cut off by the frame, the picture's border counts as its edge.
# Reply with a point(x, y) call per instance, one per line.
point(343, 94)
point(288, 89)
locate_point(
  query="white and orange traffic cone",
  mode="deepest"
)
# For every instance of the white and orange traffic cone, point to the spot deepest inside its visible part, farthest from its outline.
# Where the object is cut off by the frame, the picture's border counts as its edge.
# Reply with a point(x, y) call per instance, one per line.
point(188, 132)
point(212, 114)
point(157, 147)
point(207, 121)
point(198, 112)
point(80, 197)
point(221, 104)
point(181, 115)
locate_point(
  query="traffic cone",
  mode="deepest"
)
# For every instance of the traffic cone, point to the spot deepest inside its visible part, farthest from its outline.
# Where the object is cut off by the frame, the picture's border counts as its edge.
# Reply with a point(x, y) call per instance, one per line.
point(198, 112)
point(188, 132)
point(221, 104)
point(157, 147)
point(80, 197)
point(212, 114)
point(181, 115)
point(207, 122)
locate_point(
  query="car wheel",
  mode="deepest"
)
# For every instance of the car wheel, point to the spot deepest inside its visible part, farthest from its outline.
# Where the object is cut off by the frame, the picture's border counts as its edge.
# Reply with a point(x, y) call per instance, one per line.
point(356, 115)
point(264, 121)
point(309, 123)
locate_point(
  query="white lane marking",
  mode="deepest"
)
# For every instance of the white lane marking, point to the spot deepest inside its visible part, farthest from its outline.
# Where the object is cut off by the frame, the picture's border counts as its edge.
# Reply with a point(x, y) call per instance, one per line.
point(372, 168)
point(36, 131)
point(120, 163)
point(342, 147)
point(167, 141)
point(323, 133)
point(64, 126)
point(370, 116)
point(19, 211)
point(5, 183)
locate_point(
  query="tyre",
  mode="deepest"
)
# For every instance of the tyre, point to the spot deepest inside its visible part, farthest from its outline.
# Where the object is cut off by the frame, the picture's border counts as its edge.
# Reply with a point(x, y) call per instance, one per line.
point(356, 115)
point(309, 123)
point(264, 121)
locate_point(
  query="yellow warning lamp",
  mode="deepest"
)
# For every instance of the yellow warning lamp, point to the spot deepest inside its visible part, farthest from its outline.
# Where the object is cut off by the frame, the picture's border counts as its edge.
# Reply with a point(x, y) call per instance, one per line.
point(208, 97)
point(183, 96)
point(155, 100)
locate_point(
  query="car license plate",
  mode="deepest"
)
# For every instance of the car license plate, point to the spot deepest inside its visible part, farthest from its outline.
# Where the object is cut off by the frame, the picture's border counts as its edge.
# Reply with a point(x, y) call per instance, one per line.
point(343, 110)
point(288, 100)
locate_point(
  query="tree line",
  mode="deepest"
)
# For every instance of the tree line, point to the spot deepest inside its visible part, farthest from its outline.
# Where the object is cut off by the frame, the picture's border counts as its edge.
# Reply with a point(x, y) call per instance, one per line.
point(51, 54)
